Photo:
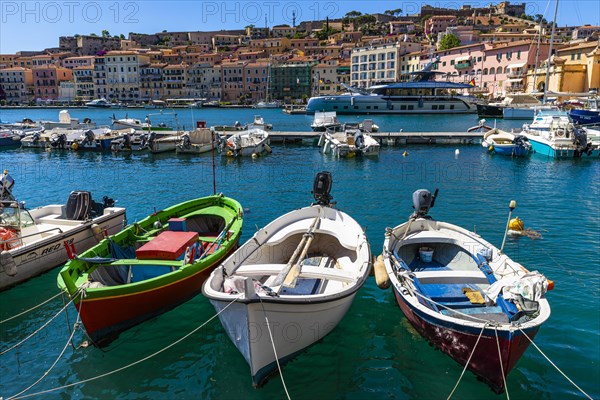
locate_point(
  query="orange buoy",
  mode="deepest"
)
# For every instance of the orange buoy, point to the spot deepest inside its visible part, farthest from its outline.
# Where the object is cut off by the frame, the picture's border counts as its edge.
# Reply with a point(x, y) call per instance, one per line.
point(8, 239)
point(550, 284)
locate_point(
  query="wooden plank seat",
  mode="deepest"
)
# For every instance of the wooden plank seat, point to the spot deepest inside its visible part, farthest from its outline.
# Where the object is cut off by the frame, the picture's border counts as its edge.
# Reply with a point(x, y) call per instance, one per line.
point(307, 271)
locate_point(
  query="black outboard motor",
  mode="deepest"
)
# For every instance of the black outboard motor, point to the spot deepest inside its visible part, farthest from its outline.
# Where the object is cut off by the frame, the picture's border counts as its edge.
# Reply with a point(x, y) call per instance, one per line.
point(186, 142)
point(6, 184)
point(35, 137)
point(126, 140)
point(359, 140)
point(151, 139)
point(423, 201)
point(89, 137)
point(59, 140)
point(322, 188)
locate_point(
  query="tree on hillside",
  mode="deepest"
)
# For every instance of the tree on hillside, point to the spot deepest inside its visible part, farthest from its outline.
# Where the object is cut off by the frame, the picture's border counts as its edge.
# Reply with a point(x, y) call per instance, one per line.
point(449, 41)
point(353, 14)
point(394, 13)
point(105, 34)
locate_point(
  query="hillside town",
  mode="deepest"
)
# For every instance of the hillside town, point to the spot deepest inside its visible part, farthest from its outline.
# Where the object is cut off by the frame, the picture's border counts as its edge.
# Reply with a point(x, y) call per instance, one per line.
point(497, 50)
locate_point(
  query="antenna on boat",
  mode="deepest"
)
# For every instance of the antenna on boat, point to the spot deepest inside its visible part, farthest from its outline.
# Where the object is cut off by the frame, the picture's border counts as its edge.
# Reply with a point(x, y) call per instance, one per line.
point(511, 206)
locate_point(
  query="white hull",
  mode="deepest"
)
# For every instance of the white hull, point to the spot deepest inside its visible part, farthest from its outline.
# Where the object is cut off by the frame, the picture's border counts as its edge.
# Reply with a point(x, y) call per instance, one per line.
point(376, 104)
point(247, 143)
point(341, 144)
point(336, 264)
point(44, 250)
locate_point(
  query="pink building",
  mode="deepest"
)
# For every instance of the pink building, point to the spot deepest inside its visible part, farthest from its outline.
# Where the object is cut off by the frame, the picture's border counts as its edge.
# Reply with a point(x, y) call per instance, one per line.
point(439, 23)
point(232, 80)
point(256, 80)
point(46, 81)
point(495, 68)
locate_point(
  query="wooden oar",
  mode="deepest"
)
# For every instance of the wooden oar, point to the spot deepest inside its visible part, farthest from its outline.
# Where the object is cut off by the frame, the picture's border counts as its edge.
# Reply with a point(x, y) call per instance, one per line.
point(287, 269)
point(292, 278)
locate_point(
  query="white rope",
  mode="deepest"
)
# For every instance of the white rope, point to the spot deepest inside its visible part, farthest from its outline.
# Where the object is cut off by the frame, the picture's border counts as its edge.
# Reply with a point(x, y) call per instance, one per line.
point(32, 308)
point(136, 362)
point(501, 366)
point(467, 363)
point(53, 364)
point(274, 350)
point(554, 365)
point(41, 327)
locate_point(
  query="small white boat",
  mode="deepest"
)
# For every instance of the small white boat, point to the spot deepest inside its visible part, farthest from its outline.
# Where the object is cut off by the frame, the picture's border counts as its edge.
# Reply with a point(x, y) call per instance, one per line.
point(66, 121)
point(325, 120)
point(99, 103)
point(198, 141)
point(32, 241)
point(349, 143)
point(300, 272)
point(98, 139)
point(294, 109)
point(506, 143)
point(267, 104)
point(126, 123)
point(57, 138)
point(259, 122)
point(163, 143)
point(248, 143)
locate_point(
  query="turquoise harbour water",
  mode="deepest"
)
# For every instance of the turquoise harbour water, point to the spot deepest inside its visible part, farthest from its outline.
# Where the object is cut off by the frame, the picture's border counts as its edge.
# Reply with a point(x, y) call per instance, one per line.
point(373, 353)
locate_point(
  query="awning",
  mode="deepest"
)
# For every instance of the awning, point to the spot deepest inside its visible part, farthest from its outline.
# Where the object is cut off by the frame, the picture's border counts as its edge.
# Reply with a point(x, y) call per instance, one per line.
point(511, 66)
point(461, 59)
point(515, 80)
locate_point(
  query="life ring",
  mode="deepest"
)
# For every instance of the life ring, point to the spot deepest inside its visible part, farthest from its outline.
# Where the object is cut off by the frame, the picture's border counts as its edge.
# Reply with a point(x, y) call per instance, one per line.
point(8, 239)
point(560, 133)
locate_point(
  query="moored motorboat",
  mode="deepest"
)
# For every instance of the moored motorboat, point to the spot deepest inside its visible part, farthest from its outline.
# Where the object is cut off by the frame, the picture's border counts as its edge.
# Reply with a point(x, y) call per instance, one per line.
point(350, 143)
point(464, 295)
point(99, 103)
point(126, 123)
point(151, 266)
point(325, 120)
point(259, 122)
point(198, 141)
point(506, 143)
point(248, 143)
point(32, 240)
point(299, 272)
point(66, 121)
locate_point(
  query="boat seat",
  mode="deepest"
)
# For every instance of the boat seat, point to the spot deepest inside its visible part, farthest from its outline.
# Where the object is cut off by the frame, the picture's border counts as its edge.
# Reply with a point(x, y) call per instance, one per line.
point(450, 277)
point(307, 271)
point(327, 226)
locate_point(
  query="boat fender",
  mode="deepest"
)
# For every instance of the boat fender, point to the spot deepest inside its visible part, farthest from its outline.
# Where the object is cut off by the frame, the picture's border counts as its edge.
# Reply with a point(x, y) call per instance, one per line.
point(8, 239)
point(8, 263)
point(157, 225)
point(268, 148)
point(98, 234)
point(382, 278)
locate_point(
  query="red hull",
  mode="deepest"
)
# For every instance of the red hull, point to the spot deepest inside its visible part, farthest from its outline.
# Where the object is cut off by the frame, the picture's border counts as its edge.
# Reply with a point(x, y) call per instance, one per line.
point(458, 344)
point(105, 318)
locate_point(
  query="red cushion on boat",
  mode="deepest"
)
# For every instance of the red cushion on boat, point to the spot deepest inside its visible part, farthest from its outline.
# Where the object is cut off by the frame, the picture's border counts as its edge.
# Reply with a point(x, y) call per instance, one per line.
point(168, 245)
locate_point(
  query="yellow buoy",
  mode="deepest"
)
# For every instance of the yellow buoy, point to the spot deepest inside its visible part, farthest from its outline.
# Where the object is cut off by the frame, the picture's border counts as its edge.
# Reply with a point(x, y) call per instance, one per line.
point(405, 153)
point(254, 155)
point(74, 146)
point(382, 278)
point(229, 153)
point(491, 148)
point(516, 224)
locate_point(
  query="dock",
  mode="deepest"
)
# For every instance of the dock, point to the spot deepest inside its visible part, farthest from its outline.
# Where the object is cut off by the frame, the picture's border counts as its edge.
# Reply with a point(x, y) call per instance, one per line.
point(385, 138)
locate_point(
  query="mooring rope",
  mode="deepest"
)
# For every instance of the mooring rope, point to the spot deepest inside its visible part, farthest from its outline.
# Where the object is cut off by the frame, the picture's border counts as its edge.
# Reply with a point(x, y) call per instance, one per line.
point(501, 366)
point(274, 350)
point(135, 362)
point(467, 363)
point(31, 309)
point(41, 327)
point(554, 365)
point(69, 341)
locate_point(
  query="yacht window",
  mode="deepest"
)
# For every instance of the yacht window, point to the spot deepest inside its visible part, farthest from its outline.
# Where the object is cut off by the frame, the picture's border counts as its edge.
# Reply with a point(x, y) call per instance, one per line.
point(434, 107)
point(411, 107)
point(442, 107)
point(452, 106)
point(403, 107)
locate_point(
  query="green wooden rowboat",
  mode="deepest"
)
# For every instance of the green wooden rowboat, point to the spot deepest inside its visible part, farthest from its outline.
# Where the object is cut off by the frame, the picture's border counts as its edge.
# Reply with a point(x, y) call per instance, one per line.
point(151, 266)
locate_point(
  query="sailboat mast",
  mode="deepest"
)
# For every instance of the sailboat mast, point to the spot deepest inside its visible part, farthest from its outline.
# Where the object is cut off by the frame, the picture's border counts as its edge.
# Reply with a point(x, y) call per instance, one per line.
point(537, 59)
point(550, 54)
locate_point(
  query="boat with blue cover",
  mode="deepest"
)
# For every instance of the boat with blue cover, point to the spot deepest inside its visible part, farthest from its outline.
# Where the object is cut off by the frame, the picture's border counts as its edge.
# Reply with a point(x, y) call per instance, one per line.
point(464, 295)
point(506, 143)
point(589, 115)
point(422, 95)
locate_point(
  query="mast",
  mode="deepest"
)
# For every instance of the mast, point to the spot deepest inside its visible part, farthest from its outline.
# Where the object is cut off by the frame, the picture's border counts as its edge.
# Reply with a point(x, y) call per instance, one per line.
point(537, 57)
point(550, 54)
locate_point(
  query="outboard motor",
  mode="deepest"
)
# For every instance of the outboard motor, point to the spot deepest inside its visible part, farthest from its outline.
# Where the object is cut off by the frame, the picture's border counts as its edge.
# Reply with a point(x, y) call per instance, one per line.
point(186, 142)
point(359, 140)
point(126, 140)
point(581, 140)
point(59, 140)
point(423, 201)
point(35, 137)
point(322, 188)
point(6, 184)
point(151, 139)
point(88, 137)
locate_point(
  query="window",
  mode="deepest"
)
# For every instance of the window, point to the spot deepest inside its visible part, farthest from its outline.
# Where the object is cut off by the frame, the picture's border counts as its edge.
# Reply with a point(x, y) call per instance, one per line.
point(492, 71)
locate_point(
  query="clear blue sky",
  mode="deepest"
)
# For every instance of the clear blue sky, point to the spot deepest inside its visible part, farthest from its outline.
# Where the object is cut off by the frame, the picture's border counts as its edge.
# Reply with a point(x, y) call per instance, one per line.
point(35, 25)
